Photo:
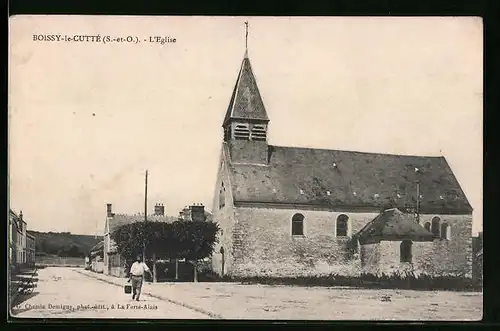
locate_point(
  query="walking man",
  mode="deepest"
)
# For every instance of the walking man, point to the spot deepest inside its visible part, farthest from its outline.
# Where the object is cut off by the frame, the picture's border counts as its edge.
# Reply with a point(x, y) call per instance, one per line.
point(137, 271)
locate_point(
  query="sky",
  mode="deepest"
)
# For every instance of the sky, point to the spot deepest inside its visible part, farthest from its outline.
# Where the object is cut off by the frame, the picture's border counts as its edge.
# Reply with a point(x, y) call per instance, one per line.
point(87, 119)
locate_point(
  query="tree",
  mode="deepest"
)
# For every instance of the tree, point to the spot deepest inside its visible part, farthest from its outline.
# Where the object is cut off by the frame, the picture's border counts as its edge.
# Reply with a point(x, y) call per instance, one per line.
point(192, 240)
point(155, 237)
point(129, 239)
point(196, 240)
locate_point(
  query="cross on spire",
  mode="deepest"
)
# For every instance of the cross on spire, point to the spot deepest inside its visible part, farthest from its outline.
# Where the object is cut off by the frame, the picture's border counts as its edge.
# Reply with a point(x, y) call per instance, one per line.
point(246, 38)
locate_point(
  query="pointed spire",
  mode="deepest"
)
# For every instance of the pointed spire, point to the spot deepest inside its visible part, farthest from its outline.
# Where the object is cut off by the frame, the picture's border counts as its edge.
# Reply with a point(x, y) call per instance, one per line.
point(246, 102)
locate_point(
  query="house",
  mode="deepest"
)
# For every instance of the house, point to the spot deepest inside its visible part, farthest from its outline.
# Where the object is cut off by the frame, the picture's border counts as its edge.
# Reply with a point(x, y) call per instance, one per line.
point(20, 242)
point(96, 257)
point(290, 211)
point(114, 264)
point(13, 226)
point(30, 250)
point(195, 212)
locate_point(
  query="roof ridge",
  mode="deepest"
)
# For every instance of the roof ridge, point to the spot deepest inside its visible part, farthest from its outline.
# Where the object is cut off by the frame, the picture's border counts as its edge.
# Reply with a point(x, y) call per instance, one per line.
point(358, 152)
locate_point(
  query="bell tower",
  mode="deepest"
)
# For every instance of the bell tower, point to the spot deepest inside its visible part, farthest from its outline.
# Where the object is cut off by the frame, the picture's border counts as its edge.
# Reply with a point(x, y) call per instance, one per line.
point(245, 124)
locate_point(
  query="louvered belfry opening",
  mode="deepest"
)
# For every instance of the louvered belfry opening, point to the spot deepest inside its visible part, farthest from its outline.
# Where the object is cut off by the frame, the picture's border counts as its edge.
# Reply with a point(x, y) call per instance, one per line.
point(258, 132)
point(247, 131)
point(242, 132)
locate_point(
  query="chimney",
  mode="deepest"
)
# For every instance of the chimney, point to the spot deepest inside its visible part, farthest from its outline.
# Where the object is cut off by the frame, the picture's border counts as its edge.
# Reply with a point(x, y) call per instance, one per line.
point(159, 209)
point(198, 212)
point(109, 210)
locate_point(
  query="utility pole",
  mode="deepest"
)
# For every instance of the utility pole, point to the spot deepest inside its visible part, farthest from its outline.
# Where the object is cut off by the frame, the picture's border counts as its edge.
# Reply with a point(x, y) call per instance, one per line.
point(145, 215)
point(418, 201)
point(417, 171)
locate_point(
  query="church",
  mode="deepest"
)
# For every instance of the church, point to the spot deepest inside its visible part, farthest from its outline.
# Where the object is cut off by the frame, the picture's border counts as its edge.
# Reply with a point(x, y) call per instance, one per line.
point(290, 211)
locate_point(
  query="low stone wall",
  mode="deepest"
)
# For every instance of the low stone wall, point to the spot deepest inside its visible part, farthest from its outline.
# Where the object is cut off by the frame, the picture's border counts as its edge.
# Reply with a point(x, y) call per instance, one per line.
point(56, 261)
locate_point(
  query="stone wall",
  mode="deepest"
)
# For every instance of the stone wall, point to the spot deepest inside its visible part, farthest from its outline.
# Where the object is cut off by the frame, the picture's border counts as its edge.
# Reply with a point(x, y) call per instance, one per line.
point(60, 261)
point(264, 245)
point(441, 257)
point(477, 260)
point(257, 241)
point(370, 257)
point(454, 256)
point(225, 218)
point(384, 258)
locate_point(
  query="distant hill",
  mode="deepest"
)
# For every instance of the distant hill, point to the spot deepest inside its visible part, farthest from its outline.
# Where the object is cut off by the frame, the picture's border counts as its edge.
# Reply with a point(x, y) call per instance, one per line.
point(64, 244)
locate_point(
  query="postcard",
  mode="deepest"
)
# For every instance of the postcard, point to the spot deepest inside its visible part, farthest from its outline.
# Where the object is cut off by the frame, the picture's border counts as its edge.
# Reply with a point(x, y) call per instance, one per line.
point(271, 168)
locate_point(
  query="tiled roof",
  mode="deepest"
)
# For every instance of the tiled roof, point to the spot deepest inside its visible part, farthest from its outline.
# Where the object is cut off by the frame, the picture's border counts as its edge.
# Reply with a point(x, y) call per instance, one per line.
point(334, 178)
point(209, 215)
point(14, 216)
point(393, 224)
point(121, 219)
point(246, 102)
point(99, 246)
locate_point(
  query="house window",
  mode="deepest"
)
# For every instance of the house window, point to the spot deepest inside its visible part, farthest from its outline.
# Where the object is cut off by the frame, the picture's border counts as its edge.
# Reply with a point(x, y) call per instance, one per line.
point(435, 226)
point(342, 225)
point(405, 251)
point(445, 231)
point(427, 226)
point(222, 196)
point(298, 225)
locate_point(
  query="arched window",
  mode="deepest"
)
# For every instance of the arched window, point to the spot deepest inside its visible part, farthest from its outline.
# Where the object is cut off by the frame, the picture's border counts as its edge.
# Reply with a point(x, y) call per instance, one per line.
point(445, 231)
point(298, 225)
point(342, 225)
point(405, 251)
point(435, 226)
point(427, 226)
